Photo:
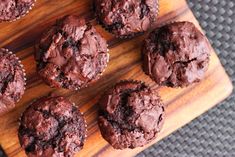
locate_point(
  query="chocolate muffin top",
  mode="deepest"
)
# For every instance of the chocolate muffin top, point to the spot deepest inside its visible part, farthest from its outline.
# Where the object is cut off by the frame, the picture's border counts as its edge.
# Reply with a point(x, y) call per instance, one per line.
point(71, 54)
point(12, 83)
point(52, 126)
point(13, 9)
point(126, 18)
point(176, 54)
point(131, 115)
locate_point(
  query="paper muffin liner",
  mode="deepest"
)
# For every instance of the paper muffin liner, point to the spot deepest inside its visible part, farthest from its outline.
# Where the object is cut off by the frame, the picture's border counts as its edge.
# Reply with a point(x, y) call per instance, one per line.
point(129, 36)
point(19, 17)
point(22, 68)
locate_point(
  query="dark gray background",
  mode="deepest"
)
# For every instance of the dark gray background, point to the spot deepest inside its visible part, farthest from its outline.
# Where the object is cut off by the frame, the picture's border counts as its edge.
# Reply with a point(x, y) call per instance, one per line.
point(213, 133)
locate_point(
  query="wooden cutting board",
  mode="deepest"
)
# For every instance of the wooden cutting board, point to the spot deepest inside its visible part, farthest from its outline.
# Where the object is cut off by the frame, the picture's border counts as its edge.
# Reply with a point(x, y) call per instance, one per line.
point(183, 105)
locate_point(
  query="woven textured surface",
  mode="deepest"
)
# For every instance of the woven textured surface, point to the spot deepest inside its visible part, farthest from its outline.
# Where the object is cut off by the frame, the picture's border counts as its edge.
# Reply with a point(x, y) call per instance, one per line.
point(213, 133)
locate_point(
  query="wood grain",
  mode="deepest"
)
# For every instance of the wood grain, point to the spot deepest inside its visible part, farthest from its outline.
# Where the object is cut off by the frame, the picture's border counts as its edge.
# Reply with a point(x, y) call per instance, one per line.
point(183, 105)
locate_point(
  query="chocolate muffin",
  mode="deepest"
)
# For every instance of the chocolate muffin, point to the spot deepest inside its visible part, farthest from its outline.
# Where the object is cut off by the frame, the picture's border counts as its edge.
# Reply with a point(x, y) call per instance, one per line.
point(126, 18)
point(11, 10)
point(131, 115)
point(52, 126)
point(176, 55)
point(12, 80)
point(71, 54)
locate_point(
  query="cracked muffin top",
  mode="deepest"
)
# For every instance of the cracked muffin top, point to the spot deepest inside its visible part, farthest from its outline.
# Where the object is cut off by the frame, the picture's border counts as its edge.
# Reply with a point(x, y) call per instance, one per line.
point(126, 17)
point(176, 54)
point(131, 115)
point(13, 9)
point(52, 126)
point(71, 54)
